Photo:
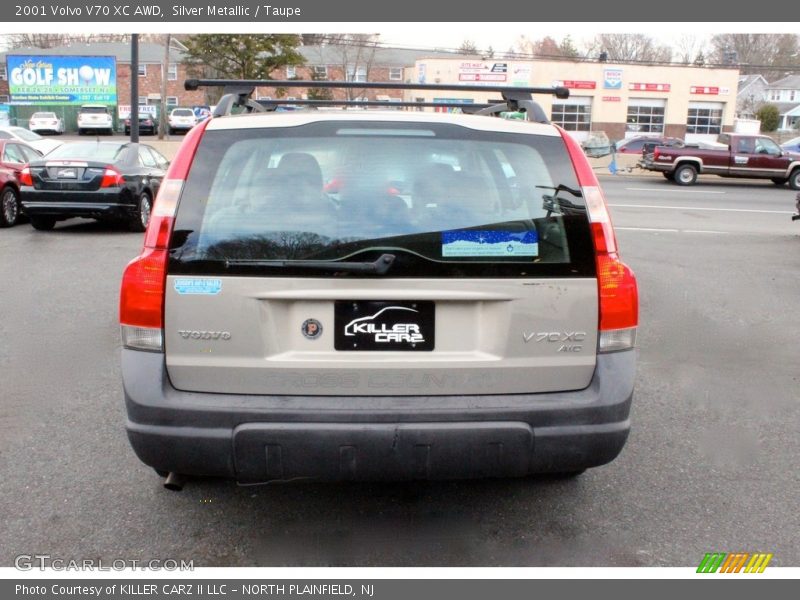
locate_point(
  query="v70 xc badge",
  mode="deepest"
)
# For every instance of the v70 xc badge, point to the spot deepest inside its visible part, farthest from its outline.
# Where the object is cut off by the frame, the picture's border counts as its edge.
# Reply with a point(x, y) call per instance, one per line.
point(570, 340)
point(554, 336)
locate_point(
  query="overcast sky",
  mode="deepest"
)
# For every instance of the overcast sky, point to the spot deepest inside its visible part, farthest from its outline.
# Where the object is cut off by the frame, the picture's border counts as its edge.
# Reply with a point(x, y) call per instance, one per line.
point(501, 36)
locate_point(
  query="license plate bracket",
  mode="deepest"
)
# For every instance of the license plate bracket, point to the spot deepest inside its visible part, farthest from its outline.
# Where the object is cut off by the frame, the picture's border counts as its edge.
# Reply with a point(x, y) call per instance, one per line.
point(384, 325)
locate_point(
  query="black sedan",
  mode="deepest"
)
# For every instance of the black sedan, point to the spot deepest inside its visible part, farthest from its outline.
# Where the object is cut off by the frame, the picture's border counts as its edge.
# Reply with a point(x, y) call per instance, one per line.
point(96, 180)
point(147, 124)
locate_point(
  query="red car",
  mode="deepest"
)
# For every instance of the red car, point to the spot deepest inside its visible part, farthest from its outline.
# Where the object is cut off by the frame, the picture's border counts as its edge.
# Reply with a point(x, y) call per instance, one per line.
point(14, 155)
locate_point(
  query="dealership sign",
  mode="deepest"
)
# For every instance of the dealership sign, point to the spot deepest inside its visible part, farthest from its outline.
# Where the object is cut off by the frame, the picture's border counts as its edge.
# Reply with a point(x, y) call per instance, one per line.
point(62, 79)
point(483, 72)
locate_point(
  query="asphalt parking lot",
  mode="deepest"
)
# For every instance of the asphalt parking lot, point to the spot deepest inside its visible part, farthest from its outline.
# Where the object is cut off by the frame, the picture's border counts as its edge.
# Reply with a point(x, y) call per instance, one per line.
point(711, 464)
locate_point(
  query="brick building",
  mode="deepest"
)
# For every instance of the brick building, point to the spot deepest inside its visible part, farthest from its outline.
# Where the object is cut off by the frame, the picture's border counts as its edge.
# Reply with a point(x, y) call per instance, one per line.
point(349, 63)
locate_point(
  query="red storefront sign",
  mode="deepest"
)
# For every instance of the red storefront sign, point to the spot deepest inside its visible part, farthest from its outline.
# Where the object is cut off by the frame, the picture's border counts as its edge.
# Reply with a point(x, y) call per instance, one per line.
point(573, 84)
point(612, 99)
point(708, 91)
point(649, 87)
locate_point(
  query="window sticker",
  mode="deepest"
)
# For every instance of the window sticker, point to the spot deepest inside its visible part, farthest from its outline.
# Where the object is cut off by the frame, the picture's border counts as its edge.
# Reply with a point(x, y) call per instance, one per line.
point(472, 242)
point(195, 285)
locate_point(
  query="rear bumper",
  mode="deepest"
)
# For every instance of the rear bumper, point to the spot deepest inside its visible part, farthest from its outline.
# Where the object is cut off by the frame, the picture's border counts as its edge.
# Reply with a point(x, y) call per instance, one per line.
point(654, 166)
point(265, 438)
point(66, 204)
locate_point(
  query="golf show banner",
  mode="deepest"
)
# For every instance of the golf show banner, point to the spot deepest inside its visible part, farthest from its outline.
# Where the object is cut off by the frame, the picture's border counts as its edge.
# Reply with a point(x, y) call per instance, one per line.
point(62, 80)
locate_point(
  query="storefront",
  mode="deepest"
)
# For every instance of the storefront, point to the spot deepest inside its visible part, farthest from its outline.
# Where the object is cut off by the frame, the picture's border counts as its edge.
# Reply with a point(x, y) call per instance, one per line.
point(621, 100)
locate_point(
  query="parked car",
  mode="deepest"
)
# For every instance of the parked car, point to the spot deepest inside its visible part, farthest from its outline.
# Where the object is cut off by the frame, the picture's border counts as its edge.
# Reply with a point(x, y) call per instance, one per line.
point(96, 180)
point(14, 155)
point(635, 145)
point(792, 145)
point(95, 117)
point(739, 155)
point(181, 119)
point(459, 309)
point(20, 134)
point(147, 124)
point(46, 121)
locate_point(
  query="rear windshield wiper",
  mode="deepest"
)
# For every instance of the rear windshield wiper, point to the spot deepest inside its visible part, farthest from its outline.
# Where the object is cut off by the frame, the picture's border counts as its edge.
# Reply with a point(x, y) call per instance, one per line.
point(379, 267)
point(560, 188)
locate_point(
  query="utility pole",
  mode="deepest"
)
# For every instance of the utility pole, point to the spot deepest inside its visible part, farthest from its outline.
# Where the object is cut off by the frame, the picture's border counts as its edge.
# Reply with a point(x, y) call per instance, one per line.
point(134, 88)
point(162, 112)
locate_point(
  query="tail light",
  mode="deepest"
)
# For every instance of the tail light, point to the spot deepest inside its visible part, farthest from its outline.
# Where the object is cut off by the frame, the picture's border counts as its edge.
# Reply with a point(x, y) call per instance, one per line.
point(112, 178)
point(656, 153)
point(141, 302)
point(616, 284)
point(25, 176)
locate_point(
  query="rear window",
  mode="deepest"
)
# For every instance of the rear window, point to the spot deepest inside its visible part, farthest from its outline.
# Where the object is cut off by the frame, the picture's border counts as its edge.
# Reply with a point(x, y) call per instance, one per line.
point(445, 200)
point(94, 109)
point(103, 152)
point(182, 112)
point(43, 115)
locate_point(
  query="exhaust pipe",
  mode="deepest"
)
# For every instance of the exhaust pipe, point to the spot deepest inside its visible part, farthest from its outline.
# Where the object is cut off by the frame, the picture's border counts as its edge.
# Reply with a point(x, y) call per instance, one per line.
point(174, 482)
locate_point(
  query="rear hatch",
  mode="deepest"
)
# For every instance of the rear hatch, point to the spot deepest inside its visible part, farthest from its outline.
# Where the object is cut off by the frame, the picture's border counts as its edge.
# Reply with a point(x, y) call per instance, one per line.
point(369, 257)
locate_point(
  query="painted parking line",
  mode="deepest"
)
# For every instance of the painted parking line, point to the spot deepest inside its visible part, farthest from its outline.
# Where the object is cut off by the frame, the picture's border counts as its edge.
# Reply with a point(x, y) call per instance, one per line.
point(674, 191)
point(665, 230)
point(741, 210)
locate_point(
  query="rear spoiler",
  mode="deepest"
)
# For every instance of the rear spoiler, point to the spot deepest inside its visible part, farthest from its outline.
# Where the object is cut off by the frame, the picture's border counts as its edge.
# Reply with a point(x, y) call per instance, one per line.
point(237, 93)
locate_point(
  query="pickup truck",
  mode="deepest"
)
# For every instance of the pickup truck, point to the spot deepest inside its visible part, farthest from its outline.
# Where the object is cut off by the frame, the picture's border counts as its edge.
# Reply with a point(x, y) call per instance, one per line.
point(751, 156)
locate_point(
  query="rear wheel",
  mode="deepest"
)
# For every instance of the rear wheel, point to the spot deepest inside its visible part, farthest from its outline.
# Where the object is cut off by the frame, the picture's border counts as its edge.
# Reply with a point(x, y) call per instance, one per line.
point(141, 217)
point(9, 207)
point(685, 175)
point(667, 175)
point(779, 180)
point(794, 180)
point(43, 223)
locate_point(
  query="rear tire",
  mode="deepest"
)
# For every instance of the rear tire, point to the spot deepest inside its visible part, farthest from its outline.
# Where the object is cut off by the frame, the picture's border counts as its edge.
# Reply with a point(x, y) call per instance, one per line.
point(10, 208)
point(668, 175)
point(140, 219)
point(685, 175)
point(779, 180)
point(794, 180)
point(43, 223)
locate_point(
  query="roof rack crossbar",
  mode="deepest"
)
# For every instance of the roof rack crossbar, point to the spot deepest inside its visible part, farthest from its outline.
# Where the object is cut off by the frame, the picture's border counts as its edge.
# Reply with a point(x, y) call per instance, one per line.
point(194, 84)
point(239, 91)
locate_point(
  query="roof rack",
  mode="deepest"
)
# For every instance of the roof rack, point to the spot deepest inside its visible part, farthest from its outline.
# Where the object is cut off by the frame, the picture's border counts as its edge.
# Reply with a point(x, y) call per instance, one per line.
point(467, 107)
point(238, 93)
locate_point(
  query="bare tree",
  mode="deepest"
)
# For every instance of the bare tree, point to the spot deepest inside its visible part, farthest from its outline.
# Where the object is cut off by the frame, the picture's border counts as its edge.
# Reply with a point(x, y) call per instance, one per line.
point(546, 47)
point(689, 47)
point(771, 55)
point(354, 53)
point(468, 47)
point(52, 40)
point(629, 47)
